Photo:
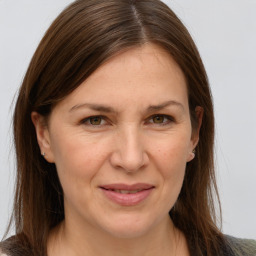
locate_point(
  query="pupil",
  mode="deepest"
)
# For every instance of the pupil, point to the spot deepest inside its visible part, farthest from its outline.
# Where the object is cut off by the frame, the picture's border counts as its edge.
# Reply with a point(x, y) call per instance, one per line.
point(95, 120)
point(158, 119)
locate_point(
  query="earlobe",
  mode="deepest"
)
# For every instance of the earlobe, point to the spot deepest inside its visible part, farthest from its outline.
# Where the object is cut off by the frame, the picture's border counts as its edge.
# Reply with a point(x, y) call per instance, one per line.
point(43, 137)
point(191, 155)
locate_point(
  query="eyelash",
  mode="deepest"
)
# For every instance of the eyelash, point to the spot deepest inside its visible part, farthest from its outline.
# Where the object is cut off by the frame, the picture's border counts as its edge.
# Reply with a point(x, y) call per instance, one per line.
point(168, 120)
point(86, 121)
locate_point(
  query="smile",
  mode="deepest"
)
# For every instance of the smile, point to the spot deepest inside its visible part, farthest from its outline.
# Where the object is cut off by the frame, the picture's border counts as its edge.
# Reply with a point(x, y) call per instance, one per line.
point(126, 191)
point(127, 195)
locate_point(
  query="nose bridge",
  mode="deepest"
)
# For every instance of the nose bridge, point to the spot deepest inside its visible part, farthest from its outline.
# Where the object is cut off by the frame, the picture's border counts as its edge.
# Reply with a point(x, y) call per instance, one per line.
point(130, 154)
point(131, 139)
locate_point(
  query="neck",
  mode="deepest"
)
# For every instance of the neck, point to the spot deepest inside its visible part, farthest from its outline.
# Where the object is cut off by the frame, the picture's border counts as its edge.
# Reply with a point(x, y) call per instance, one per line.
point(70, 240)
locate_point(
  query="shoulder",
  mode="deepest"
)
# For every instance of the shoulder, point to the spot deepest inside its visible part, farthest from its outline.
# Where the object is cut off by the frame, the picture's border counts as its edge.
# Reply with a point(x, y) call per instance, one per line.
point(2, 254)
point(241, 247)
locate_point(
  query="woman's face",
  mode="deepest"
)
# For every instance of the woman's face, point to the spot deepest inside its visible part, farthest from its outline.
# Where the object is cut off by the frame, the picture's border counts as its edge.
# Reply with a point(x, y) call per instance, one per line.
point(121, 142)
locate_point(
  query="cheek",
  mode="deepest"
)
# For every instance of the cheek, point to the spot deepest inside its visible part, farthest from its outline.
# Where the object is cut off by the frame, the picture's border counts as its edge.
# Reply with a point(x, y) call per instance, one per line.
point(77, 160)
point(172, 165)
point(170, 159)
point(172, 153)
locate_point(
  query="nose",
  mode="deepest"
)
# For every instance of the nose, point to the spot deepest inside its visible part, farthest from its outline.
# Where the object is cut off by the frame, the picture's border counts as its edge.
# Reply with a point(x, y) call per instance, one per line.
point(129, 153)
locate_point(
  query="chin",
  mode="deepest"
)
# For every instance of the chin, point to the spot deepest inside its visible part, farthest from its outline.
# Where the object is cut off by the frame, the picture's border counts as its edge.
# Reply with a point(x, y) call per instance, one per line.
point(128, 232)
point(128, 227)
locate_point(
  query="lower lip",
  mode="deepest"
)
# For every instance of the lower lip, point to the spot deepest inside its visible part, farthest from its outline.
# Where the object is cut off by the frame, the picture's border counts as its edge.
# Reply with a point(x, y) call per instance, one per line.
point(127, 199)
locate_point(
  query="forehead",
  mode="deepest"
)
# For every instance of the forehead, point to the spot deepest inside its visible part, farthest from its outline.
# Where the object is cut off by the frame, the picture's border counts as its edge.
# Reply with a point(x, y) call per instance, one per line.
point(147, 61)
point(145, 75)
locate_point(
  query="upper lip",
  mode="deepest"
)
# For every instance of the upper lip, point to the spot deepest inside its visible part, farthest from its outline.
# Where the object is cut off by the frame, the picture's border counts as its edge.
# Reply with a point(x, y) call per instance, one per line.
point(132, 187)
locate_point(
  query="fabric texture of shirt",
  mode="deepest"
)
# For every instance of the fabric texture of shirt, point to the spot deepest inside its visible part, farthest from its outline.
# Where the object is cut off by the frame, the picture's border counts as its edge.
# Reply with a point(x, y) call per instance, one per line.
point(241, 247)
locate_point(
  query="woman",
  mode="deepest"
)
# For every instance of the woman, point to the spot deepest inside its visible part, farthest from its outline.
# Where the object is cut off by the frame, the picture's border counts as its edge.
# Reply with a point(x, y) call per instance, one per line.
point(114, 132)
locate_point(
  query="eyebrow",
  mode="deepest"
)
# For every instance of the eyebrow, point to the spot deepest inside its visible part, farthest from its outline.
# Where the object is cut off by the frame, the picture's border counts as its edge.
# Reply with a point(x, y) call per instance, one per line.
point(108, 109)
point(96, 107)
point(164, 105)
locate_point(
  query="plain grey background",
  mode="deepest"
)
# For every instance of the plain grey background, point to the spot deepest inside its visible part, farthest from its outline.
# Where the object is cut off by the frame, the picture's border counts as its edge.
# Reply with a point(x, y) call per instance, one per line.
point(225, 33)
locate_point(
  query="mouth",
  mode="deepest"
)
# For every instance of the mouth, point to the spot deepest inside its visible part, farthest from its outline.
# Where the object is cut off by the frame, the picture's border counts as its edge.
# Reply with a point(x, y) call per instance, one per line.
point(124, 191)
point(127, 195)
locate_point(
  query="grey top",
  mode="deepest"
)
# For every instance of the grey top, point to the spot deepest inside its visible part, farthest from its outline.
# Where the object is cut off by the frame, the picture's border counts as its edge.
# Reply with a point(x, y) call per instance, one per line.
point(237, 247)
point(241, 247)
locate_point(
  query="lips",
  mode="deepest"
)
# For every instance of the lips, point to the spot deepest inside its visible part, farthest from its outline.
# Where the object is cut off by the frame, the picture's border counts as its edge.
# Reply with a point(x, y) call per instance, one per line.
point(127, 195)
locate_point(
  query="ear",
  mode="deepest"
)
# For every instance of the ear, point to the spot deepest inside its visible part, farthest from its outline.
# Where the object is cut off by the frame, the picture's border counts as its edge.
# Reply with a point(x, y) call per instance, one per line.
point(43, 137)
point(199, 111)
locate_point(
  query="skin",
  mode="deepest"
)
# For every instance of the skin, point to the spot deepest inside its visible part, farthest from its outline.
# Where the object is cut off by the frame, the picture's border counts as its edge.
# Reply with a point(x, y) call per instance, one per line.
point(131, 143)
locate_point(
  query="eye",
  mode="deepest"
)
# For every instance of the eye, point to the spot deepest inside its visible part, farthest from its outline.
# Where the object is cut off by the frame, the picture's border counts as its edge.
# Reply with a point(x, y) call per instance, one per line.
point(161, 119)
point(94, 121)
point(158, 119)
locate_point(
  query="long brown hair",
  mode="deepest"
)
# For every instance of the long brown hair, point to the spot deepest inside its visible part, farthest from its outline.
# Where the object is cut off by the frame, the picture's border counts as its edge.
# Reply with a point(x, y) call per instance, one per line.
point(83, 36)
